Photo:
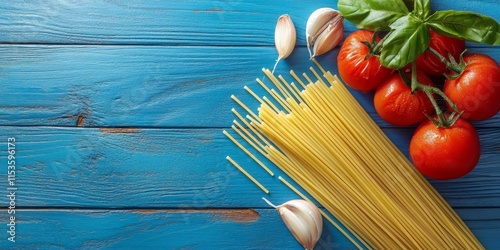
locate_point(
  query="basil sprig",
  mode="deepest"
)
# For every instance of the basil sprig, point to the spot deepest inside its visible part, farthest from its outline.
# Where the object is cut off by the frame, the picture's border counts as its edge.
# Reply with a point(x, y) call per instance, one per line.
point(466, 25)
point(409, 35)
point(406, 37)
point(422, 8)
point(372, 14)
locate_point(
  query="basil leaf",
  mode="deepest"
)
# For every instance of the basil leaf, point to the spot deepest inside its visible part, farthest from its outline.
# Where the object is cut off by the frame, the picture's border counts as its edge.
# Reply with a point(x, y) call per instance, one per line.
point(466, 25)
point(408, 39)
point(422, 8)
point(372, 14)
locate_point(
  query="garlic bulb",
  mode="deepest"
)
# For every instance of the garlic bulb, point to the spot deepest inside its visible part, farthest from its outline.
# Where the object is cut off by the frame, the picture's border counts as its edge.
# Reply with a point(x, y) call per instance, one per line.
point(285, 37)
point(324, 30)
point(303, 219)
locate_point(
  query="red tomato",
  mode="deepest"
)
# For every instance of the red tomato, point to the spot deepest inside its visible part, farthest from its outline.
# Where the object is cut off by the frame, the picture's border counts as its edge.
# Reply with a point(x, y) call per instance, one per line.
point(429, 63)
point(357, 67)
point(445, 153)
point(395, 103)
point(477, 90)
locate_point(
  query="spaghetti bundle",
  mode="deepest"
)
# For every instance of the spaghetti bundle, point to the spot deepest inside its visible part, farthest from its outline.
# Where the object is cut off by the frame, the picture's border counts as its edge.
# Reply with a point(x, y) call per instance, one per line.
point(323, 139)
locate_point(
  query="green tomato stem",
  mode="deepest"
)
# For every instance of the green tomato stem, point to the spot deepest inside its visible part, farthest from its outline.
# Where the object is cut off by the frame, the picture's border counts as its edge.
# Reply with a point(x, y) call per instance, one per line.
point(414, 82)
point(441, 121)
point(430, 91)
point(456, 67)
point(374, 47)
point(377, 49)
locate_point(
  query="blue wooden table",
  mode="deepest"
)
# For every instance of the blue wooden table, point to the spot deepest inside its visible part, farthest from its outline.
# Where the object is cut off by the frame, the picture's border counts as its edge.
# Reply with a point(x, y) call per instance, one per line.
point(117, 110)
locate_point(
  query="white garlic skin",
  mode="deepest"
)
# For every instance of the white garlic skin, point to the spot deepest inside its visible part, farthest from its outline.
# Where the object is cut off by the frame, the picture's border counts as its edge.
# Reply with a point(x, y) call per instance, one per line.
point(303, 219)
point(324, 30)
point(285, 36)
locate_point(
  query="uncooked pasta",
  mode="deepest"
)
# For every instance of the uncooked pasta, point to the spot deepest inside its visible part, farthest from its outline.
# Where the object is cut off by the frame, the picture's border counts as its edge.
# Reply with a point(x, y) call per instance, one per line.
point(320, 136)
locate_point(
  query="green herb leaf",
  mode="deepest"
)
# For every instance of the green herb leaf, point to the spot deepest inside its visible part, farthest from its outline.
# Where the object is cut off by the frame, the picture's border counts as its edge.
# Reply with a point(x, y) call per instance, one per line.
point(466, 25)
point(372, 14)
point(408, 39)
point(422, 8)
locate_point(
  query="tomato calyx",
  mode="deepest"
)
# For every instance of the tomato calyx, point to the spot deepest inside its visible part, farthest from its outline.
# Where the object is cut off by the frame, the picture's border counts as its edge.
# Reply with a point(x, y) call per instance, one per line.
point(456, 68)
point(443, 120)
point(374, 47)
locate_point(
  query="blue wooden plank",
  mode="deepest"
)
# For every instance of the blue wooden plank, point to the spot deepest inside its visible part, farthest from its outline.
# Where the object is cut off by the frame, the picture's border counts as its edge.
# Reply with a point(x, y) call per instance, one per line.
point(169, 22)
point(148, 22)
point(186, 229)
point(53, 84)
point(99, 168)
point(143, 86)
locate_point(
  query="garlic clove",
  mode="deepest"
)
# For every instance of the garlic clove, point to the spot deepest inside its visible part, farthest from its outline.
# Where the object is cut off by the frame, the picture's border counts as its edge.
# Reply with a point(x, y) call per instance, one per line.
point(328, 39)
point(284, 36)
point(324, 30)
point(303, 219)
point(318, 18)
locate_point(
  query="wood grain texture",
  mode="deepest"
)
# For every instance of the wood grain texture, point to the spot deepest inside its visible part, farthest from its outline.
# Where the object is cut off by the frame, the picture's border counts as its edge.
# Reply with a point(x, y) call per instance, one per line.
point(169, 168)
point(188, 229)
point(118, 107)
point(144, 86)
point(214, 23)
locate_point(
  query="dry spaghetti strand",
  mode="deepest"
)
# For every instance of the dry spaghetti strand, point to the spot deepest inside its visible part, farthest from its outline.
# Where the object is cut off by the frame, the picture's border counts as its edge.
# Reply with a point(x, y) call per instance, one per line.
point(326, 143)
point(247, 174)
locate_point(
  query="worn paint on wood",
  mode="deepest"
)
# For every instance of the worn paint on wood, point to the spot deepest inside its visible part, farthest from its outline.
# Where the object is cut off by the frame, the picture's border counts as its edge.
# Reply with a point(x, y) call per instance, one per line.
point(146, 86)
point(234, 215)
point(195, 23)
point(90, 167)
point(191, 229)
point(117, 109)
